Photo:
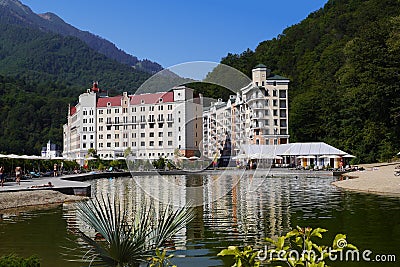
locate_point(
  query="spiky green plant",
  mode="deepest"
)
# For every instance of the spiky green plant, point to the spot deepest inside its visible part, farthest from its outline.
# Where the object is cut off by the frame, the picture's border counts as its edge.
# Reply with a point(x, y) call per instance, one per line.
point(127, 240)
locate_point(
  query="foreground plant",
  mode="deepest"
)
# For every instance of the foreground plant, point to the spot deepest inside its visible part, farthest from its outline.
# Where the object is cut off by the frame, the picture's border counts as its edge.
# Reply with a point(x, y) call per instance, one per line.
point(127, 241)
point(296, 248)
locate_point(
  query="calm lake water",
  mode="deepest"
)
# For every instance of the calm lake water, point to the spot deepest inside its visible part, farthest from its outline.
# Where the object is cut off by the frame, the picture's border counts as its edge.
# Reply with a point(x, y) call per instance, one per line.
point(246, 210)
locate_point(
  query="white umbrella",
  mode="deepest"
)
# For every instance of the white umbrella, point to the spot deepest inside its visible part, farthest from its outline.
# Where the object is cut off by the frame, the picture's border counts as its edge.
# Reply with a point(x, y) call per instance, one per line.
point(3, 156)
point(349, 156)
point(120, 158)
point(309, 157)
point(193, 158)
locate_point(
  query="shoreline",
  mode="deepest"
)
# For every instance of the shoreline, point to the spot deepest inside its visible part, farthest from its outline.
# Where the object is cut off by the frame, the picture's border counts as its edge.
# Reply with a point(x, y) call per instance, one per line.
point(377, 179)
point(34, 198)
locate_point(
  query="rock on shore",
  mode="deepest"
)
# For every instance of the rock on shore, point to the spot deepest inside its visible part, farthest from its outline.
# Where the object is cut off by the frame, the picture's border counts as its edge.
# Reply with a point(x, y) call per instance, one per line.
point(10, 200)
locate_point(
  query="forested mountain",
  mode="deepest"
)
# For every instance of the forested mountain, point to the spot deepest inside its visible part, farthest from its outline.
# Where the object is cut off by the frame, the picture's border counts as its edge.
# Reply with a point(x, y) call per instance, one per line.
point(14, 12)
point(40, 74)
point(41, 57)
point(344, 62)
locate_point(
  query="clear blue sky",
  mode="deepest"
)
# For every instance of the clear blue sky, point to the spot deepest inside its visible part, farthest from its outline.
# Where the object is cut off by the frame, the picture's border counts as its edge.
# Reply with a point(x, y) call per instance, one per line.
point(173, 32)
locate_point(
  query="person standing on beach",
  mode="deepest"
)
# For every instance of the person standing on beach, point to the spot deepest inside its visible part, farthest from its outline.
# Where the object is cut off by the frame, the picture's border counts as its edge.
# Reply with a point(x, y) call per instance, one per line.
point(55, 169)
point(2, 175)
point(18, 174)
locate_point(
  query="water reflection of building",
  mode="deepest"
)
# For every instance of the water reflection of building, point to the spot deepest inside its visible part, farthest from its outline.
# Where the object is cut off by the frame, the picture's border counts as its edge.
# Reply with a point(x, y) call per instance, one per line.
point(232, 206)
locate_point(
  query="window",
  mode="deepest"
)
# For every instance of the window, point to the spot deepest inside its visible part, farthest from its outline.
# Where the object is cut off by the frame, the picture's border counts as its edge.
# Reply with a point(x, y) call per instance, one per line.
point(275, 112)
point(179, 138)
point(108, 128)
point(169, 124)
point(142, 134)
point(169, 143)
point(160, 143)
point(116, 144)
point(100, 128)
point(257, 141)
point(116, 136)
point(152, 134)
point(91, 136)
point(125, 144)
point(84, 145)
point(116, 127)
point(100, 111)
point(84, 112)
point(276, 122)
point(116, 119)
point(160, 125)
point(108, 120)
point(274, 93)
point(133, 135)
point(160, 134)
point(275, 103)
point(100, 136)
point(134, 144)
point(169, 107)
point(84, 137)
point(133, 109)
point(100, 144)
point(142, 126)
point(91, 145)
point(142, 143)
point(151, 143)
point(169, 134)
point(100, 120)
point(108, 136)
point(84, 120)
point(108, 144)
point(108, 111)
point(125, 135)
point(116, 110)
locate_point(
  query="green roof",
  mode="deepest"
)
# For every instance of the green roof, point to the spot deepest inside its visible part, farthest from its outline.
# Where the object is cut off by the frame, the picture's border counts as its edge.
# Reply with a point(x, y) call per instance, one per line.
point(260, 66)
point(276, 77)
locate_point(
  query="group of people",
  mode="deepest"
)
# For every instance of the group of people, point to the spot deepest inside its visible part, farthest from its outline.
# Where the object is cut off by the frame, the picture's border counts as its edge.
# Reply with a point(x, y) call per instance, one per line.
point(18, 175)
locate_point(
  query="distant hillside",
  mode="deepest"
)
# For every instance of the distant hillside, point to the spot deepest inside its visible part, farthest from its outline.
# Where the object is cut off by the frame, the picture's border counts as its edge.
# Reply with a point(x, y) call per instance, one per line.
point(14, 12)
point(39, 56)
point(343, 61)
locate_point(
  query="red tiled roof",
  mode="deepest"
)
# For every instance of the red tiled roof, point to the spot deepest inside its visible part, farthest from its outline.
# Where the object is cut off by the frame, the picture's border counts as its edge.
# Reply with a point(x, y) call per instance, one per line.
point(152, 98)
point(72, 110)
point(115, 101)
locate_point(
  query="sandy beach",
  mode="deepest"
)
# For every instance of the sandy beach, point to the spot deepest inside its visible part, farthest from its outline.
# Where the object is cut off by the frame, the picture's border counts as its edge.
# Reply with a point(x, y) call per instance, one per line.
point(376, 178)
point(11, 200)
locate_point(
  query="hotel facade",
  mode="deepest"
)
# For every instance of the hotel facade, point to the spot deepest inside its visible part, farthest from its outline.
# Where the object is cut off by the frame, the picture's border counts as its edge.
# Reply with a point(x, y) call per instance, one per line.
point(258, 114)
point(150, 125)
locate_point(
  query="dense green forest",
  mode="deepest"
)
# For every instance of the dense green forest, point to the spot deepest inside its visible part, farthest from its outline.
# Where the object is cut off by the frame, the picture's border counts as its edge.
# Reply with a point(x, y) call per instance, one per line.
point(40, 74)
point(16, 13)
point(31, 114)
point(343, 61)
point(37, 56)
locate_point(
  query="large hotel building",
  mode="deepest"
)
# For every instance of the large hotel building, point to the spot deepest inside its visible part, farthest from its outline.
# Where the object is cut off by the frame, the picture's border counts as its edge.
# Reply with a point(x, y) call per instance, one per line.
point(151, 125)
point(156, 124)
point(258, 114)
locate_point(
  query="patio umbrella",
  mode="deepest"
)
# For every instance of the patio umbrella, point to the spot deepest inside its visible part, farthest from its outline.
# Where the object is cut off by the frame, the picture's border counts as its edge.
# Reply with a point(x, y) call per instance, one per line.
point(349, 156)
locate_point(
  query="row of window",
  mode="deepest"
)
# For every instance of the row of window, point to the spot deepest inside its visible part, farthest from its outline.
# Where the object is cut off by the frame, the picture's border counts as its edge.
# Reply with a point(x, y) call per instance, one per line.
point(134, 144)
point(125, 110)
point(125, 135)
point(85, 112)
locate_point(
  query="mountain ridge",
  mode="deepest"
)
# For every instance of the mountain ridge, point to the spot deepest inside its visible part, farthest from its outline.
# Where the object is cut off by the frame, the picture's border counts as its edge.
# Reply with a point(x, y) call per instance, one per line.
point(15, 12)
